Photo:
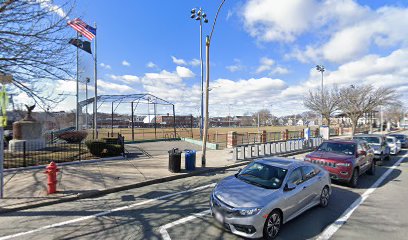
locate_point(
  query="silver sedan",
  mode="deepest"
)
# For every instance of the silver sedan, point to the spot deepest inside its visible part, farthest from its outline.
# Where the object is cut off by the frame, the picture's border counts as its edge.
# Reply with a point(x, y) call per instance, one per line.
point(267, 193)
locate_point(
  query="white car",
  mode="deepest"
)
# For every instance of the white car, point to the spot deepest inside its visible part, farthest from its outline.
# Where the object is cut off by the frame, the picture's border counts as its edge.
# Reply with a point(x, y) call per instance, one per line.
point(394, 144)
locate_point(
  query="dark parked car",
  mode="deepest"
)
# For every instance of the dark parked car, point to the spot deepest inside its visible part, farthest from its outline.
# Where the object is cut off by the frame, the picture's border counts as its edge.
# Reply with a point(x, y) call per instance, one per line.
point(345, 160)
point(378, 143)
point(402, 138)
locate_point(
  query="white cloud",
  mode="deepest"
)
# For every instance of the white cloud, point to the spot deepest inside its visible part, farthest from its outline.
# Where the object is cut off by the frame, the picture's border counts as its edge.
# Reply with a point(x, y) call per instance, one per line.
point(48, 4)
point(266, 65)
point(106, 66)
point(279, 70)
point(270, 20)
point(113, 87)
point(184, 72)
point(233, 68)
point(125, 63)
point(178, 61)
point(125, 78)
point(65, 86)
point(151, 65)
point(386, 71)
point(237, 66)
point(195, 62)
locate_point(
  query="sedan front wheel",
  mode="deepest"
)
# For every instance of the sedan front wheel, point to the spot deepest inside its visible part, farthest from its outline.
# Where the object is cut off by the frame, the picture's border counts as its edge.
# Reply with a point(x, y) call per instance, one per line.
point(273, 225)
point(324, 197)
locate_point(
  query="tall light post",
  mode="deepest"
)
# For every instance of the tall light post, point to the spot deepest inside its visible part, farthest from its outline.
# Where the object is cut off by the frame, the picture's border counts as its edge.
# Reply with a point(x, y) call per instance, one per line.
point(207, 83)
point(200, 15)
point(321, 69)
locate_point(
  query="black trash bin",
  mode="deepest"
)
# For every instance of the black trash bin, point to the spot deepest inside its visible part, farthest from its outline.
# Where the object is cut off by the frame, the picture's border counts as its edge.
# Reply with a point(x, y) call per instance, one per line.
point(174, 160)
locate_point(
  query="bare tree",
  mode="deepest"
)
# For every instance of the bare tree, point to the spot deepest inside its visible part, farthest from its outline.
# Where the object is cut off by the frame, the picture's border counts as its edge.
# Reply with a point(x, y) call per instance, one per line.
point(34, 46)
point(265, 117)
point(355, 101)
point(325, 105)
point(395, 112)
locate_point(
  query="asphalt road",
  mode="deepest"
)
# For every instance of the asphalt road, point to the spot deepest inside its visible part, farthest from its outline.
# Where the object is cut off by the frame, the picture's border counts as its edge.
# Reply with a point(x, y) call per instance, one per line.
point(143, 213)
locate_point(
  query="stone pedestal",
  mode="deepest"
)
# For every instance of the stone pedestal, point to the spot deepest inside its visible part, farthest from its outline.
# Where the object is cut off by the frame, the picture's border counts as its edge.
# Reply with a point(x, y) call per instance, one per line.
point(26, 145)
point(27, 136)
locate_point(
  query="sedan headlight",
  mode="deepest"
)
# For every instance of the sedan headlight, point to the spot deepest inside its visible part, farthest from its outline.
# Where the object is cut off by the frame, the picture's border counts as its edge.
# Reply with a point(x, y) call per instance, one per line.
point(376, 152)
point(248, 211)
point(307, 159)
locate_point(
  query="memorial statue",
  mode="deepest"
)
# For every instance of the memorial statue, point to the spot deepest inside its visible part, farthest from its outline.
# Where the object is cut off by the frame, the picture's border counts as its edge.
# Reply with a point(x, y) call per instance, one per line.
point(30, 109)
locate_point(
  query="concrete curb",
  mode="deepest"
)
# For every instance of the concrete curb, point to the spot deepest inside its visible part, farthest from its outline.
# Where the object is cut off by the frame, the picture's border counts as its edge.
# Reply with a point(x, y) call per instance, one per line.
point(98, 193)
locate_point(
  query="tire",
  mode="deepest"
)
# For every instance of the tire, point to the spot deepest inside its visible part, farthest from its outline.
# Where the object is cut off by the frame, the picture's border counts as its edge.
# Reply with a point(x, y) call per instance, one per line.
point(273, 225)
point(354, 179)
point(387, 158)
point(371, 171)
point(324, 197)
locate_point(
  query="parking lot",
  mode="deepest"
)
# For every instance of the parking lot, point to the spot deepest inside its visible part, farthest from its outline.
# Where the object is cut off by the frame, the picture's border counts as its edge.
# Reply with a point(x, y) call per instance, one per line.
point(376, 209)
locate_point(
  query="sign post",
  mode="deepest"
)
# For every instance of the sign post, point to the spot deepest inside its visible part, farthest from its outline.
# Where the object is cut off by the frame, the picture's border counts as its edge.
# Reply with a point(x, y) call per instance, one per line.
point(4, 79)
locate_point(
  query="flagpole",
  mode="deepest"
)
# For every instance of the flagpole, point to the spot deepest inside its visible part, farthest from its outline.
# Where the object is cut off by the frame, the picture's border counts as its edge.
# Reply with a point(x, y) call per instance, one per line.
point(95, 110)
point(77, 87)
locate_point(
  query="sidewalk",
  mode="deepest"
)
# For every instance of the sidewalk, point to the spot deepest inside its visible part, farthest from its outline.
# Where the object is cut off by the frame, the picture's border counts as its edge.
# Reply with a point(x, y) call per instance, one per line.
point(28, 187)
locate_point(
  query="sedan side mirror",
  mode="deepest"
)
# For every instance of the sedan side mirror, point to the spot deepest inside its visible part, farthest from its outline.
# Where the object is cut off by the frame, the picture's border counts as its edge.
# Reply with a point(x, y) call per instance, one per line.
point(289, 186)
point(362, 153)
point(239, 170)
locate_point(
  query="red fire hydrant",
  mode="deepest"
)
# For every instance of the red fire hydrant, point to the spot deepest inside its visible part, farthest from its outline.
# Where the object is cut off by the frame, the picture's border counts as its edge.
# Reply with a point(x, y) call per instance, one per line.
point(52, 177)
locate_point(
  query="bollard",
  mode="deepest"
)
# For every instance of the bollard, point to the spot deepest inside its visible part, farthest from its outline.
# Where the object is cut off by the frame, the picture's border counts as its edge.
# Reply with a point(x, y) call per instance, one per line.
point(52, 170)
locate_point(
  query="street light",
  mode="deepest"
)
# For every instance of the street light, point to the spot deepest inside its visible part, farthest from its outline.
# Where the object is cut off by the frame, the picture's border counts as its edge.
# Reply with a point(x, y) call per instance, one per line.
point(200, 15)
point(321, 69)
point(207, 83)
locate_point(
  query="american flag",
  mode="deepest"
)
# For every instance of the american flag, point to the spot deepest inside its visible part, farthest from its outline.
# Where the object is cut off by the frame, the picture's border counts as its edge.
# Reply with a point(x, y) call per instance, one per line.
point(83, 28)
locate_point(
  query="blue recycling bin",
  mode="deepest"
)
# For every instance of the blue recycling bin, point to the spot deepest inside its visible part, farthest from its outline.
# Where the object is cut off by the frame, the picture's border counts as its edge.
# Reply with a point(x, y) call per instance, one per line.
point(190, 159)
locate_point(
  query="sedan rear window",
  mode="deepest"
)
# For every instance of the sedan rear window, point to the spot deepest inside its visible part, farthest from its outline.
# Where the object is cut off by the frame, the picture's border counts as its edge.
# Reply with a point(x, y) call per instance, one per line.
point(341, 148)
point(263, 175)
point(370, 140)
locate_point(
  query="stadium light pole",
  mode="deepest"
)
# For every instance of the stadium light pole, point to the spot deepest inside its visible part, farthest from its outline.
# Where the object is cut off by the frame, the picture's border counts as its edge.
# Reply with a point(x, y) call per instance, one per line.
point(321, 69)
point(201, 16)
point(207, 83)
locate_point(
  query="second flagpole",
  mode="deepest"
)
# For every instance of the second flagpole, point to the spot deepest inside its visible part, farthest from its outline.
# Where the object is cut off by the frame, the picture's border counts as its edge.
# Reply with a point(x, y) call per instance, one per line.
point(77, 87)
point(95, 107)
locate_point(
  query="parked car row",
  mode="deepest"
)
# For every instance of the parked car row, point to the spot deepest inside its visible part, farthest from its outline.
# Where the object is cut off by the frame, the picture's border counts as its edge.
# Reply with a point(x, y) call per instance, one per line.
point(255, 202)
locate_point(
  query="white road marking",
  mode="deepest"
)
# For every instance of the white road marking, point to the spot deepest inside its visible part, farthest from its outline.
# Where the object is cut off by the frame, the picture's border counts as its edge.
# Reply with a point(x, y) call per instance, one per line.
point(334, 227)
point(163, 229)
point(104, 213)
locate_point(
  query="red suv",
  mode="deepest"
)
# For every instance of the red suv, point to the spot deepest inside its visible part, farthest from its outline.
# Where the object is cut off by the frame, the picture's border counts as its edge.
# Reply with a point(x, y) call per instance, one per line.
point(345, 160)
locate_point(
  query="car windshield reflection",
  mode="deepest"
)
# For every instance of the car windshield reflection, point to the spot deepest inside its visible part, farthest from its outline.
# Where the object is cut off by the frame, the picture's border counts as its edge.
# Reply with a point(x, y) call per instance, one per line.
point(263, 175)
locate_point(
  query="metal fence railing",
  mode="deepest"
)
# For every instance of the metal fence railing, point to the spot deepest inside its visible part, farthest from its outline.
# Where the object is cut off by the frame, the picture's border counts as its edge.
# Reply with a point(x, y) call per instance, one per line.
point(33, 154)
point(28, 154)
point(255, 150)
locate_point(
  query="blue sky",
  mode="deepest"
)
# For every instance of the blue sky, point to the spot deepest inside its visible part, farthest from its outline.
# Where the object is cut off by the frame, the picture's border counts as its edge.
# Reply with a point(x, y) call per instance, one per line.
point(263, 52)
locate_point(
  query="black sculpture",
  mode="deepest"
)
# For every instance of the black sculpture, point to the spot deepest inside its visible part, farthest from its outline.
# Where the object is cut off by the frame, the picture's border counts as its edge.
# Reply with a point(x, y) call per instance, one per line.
point(28, 117)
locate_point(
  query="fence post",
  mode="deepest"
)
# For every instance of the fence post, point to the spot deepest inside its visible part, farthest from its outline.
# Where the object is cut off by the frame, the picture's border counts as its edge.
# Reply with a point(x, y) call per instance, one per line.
point(231, 139)
point(263, 136)
point(24, 154)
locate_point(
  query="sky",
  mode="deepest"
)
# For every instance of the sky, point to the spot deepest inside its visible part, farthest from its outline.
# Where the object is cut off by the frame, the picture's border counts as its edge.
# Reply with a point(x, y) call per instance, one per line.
point(263, 52)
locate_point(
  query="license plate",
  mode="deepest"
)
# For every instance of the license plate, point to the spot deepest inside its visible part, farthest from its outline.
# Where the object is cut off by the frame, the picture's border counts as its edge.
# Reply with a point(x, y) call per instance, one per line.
point(218, 216)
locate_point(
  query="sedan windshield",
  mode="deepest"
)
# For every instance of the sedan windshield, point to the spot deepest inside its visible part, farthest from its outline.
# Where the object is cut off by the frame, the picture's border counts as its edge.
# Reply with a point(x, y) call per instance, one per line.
point(341, 148)
point(263, 175)
point(370, 140)
point(390, 140)
point(399, 137)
